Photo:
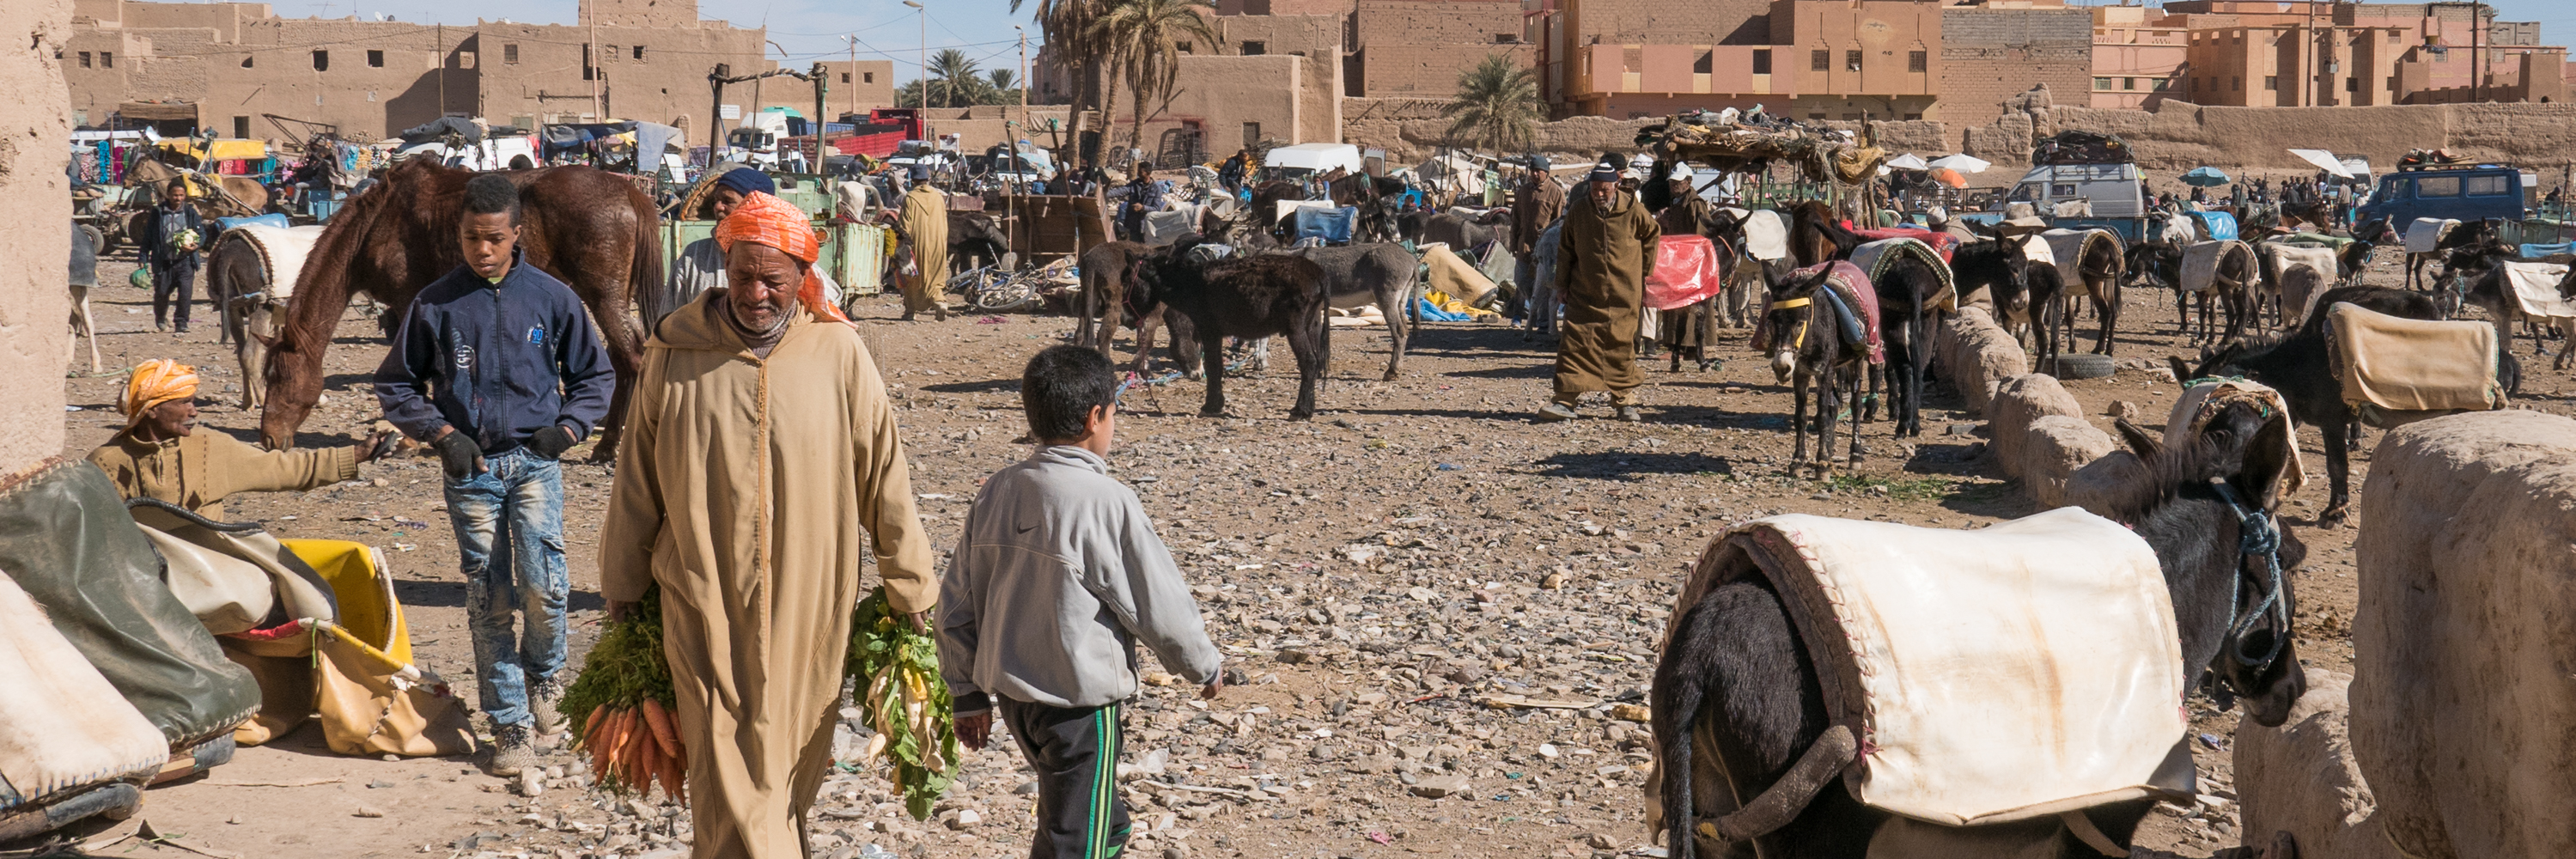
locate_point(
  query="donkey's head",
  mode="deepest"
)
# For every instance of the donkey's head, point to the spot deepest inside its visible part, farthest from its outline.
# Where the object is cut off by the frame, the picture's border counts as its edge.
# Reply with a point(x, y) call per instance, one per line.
point(2207, 506)
point(1798, 320)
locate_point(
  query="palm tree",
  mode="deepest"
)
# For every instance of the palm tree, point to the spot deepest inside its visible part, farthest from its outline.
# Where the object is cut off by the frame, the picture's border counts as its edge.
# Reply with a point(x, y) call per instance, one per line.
point(1004, 83)
point(961, 84)
point(1142, 37)
point(1497, 103)
point(1067, 25)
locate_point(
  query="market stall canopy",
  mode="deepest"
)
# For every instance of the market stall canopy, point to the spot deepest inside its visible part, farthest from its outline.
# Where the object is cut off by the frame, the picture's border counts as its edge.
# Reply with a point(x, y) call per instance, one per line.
point(1318, 157)
point(2206, 177)
point(1963, 162)
point(158, 111)
point(2325, 161)
point(1908, 161)
point(219, 150)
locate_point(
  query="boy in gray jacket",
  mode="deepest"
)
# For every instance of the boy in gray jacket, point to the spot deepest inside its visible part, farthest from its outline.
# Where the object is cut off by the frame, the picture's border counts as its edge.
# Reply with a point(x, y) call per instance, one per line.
point(1057, 577)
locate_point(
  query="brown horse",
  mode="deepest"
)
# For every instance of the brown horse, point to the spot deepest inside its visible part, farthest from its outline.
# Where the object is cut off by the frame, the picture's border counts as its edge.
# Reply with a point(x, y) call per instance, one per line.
point(590, 229)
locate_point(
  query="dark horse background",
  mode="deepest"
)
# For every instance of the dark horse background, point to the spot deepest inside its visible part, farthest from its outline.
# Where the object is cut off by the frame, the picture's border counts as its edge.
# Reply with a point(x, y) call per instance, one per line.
point(593, 230)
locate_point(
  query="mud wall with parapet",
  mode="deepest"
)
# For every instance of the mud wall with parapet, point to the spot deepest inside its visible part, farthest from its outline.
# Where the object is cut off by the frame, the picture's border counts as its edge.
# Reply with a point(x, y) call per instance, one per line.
point(2173, 137)
point(35, 234)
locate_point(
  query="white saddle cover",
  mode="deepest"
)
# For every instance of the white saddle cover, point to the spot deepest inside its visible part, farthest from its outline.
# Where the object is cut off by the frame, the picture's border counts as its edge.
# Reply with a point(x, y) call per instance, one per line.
point(1993, 675)
point(2423, 236)
point(2535, 287)
point(1766, 237)
point(2200, 263)
point(282, 251)
point(2066, 249)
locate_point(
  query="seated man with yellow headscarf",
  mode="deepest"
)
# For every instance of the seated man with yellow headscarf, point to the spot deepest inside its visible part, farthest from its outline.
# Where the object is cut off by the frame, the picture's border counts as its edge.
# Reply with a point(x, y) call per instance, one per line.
point(761, 462)
point(160, 454)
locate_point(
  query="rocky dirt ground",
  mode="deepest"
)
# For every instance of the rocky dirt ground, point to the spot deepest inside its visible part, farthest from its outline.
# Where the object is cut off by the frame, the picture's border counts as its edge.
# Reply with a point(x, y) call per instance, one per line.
point(1443, 616)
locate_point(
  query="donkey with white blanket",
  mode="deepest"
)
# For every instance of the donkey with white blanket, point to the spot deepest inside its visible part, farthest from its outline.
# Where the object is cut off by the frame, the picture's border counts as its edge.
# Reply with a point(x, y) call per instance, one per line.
point(1868, 689)
point(250, 275)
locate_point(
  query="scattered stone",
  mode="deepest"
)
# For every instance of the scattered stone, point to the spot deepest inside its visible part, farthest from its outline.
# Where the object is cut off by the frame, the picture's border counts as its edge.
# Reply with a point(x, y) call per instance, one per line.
point(965, 819)
point(1437, 786)
point(2123, 410)
point(368, 811)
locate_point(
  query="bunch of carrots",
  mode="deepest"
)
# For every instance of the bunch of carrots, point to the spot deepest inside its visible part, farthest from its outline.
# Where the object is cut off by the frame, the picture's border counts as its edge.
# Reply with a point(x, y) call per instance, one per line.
point(620, 706)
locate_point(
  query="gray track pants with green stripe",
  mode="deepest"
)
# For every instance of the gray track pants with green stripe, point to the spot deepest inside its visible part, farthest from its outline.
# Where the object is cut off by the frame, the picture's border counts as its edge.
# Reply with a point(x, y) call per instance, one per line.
point(1075, 753)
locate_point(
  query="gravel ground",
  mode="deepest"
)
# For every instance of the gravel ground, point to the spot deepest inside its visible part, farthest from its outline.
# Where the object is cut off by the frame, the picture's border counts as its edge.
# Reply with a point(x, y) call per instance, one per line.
point(1442, 616)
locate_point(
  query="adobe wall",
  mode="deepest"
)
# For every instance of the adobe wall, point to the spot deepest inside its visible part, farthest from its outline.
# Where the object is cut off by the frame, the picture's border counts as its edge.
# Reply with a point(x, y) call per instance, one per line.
point(1725, 22)
point(1990, 55)
point(2179, 136)
point(35, 238)
point(1410, 130)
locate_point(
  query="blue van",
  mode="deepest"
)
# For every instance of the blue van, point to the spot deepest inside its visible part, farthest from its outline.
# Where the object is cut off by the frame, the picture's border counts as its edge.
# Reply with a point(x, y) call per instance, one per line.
point(2462, 192)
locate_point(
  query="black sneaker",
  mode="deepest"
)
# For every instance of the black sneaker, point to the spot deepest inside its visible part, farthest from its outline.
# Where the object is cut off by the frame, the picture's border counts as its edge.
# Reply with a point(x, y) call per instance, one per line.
point(512, 751)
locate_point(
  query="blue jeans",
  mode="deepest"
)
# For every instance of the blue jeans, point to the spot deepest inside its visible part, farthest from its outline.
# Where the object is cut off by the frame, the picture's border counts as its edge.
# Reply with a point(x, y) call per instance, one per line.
point(509, 539)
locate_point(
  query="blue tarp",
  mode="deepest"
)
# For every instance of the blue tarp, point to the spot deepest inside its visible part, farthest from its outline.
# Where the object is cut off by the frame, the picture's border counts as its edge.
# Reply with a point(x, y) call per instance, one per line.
point(271, 219)
point(1422, 307)
point(2222, 226)
point(1331, 225)
point(2538, 251)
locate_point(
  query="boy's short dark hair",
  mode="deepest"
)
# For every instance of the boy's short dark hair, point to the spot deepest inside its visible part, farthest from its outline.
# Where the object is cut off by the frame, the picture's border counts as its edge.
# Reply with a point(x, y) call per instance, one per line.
point(492, 194)
point(1060, 388)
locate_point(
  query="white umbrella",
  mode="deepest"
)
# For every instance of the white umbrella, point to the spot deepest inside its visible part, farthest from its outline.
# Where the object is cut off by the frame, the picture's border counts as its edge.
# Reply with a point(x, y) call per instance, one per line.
point(2324, 160)
point(1964, 163)
point(1908, 161)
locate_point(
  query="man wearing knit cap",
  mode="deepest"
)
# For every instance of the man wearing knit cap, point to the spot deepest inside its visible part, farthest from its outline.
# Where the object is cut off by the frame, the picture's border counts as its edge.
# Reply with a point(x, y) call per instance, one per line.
point(761, 464)
point(1607, 245)
point(160, 454)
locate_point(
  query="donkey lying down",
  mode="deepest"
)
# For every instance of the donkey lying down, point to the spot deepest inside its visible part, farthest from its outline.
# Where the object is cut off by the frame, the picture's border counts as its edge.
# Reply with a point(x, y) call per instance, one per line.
point(1737, 675)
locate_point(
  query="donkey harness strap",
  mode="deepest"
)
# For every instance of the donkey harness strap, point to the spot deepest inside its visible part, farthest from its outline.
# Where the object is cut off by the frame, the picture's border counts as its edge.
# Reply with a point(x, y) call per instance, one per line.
point(1792, 304)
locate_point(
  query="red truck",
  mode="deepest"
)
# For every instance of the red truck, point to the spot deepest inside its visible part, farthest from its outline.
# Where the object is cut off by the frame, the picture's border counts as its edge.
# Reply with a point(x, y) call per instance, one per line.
point(876, 138)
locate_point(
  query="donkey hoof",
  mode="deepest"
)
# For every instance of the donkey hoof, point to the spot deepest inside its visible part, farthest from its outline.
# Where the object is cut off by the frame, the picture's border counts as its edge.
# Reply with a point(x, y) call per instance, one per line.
point(2332, 518)
point(1300, 416)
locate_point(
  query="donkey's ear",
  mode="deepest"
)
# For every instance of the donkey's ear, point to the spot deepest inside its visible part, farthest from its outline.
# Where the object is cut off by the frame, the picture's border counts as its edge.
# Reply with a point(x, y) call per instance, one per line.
point(2269, 458)
point(2182, 372)
point(2144, 445)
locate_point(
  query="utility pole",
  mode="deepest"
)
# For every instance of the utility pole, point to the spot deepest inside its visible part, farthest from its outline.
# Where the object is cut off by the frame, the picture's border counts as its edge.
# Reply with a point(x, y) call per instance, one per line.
point(1024, 76)
point(821, 85)
point(854, 70)
point(924, 15)
point(590, 57)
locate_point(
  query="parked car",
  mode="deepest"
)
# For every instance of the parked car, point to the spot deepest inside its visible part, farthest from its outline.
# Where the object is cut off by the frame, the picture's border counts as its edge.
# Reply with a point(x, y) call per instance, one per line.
point(2463, 192)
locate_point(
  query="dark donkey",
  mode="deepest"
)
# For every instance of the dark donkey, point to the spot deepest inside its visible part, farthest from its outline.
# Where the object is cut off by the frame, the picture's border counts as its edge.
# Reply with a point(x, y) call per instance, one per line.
point(2297, 366)
point(1808, 345)
point(1243, 297)
point(1905, 290)
point(1736, 667)
point(588, 228)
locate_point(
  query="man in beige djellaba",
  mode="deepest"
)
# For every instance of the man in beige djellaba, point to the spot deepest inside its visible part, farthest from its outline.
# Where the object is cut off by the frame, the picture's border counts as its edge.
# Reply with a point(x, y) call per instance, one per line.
point(761, 461)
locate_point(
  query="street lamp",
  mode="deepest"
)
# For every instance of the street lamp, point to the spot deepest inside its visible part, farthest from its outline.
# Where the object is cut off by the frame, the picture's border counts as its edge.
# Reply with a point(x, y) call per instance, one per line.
point(924, 15)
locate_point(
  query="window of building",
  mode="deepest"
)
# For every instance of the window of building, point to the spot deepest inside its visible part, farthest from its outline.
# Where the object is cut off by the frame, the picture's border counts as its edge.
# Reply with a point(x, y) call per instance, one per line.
point(245, 62)
point(2351, 84)
point(1851, 61)
point(610, 55)
point(638, 53)
point(587, 71)
point(2160, 84)
point(1506, 38)
point(2129, 84)
point(2486, 186)
point(84, 55)
point(845, 77)
point(2236, 84)
point(1255, 49)
point(241, 128)
point(510, 54)
point(2392, 37)
point(1185, 47)
point(2438, 186)
point(1251, 134)
point(375, 59)
point(1913, 116)
point(107, 59)
point(867, 77)
point(1918, 61)
point(321, 61)
point(2102, 83)
point(2271, 83)
point(1818, 61)
point(1706, 64)
point(1816, 114)
point(1762, 61)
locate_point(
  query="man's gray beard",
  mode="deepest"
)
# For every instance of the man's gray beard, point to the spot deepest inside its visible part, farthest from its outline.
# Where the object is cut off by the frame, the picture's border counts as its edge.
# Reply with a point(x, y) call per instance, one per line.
point(771, 334)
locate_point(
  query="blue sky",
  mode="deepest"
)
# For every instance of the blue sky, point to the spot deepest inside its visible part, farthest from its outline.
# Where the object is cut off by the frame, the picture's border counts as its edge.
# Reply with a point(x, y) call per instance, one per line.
point(887, 29)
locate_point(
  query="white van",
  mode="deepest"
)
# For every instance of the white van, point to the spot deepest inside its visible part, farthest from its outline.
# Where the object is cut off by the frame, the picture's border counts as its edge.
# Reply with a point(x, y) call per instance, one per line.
point(2116, 190)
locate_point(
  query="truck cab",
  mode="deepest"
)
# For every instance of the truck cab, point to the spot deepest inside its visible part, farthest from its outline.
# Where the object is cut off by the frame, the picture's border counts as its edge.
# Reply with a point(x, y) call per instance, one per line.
point(2463, 192)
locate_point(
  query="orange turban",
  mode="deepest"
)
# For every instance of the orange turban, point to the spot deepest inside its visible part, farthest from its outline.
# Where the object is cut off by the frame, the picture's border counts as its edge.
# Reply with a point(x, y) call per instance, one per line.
point(767, 220)
point(154, 382)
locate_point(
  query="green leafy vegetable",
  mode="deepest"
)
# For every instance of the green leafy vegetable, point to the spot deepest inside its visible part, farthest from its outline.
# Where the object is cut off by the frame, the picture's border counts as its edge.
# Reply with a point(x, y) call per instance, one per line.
point(896, 672)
